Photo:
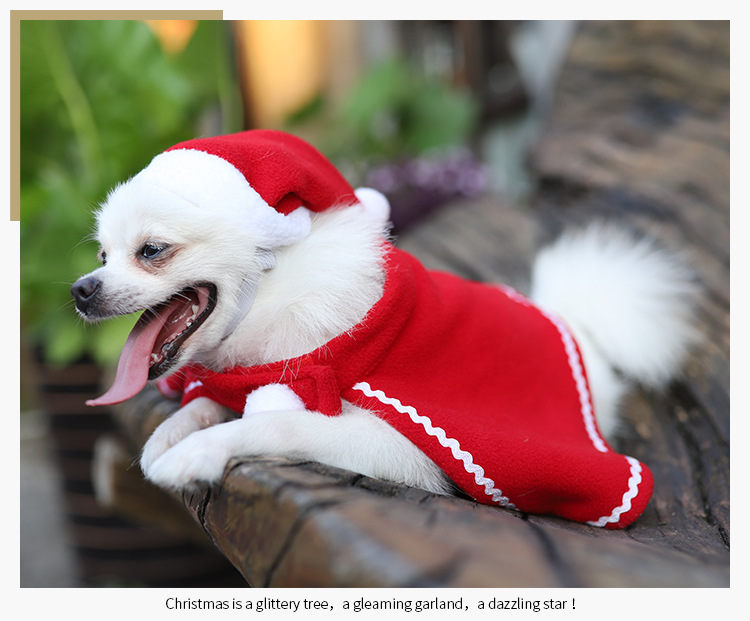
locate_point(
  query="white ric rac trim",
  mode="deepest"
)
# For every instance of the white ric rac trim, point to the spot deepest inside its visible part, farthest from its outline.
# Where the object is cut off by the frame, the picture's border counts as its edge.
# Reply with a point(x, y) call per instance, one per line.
point(584, 397)
point(451, 443)
point(633, 483)
point(576, 368)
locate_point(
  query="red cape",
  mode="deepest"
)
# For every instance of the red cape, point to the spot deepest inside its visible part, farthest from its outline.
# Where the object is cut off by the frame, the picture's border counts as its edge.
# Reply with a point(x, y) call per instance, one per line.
point(490, 387)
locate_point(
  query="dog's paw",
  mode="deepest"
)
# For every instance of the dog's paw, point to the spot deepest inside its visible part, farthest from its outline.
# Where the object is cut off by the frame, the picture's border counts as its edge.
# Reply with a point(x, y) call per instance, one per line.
point(198, 414)
point(155, 447)
point(200, 458)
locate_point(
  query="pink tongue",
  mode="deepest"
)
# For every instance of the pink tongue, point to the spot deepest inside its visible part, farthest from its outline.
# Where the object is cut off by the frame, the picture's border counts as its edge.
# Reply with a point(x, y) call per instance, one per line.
point(135, 359)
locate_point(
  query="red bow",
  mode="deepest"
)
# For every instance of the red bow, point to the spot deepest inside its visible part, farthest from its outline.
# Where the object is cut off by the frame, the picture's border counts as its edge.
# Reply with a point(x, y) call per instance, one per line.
point(315, 384)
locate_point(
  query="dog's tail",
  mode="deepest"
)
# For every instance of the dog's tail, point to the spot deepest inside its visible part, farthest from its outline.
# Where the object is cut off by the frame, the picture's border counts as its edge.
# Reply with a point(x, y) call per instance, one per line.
point(633, 301)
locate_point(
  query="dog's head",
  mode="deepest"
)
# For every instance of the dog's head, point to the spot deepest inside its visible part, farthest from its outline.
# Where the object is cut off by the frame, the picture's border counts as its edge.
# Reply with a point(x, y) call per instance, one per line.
point(182, 265)
point(187, 239)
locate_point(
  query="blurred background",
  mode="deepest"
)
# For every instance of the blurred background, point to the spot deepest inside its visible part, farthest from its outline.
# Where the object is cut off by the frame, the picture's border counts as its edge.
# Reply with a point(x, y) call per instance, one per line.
point(427, 112)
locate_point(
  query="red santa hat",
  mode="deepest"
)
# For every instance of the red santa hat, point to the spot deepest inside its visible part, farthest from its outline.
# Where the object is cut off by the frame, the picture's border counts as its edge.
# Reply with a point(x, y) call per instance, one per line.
point(267, 180)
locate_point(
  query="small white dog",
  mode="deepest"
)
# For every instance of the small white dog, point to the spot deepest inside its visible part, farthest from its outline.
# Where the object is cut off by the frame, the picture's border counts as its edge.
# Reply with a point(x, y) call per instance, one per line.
point(250, 252)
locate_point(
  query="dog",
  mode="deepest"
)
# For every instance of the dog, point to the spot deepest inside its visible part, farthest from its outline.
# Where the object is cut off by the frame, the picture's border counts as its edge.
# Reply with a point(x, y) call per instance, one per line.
point(255, 265)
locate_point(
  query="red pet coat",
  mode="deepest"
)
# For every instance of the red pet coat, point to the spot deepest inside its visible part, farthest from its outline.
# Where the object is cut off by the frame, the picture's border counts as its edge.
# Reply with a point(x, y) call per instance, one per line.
point(490, 387)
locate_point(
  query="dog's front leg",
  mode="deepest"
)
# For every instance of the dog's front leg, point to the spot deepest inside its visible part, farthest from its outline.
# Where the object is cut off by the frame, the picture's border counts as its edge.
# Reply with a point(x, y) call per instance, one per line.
point(198, 414)
point(356, 440)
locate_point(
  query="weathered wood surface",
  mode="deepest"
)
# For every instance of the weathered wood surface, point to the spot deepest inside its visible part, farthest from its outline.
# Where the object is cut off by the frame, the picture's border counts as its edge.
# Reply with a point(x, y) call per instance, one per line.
point(639, 134)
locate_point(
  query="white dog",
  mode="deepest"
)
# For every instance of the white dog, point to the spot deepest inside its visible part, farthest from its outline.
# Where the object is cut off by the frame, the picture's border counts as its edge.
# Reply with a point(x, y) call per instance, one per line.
point(235, 270)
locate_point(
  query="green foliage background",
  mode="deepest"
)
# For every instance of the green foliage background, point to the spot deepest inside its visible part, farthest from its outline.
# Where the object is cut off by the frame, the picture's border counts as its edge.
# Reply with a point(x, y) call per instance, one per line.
point(98, 100)
point(394, 112)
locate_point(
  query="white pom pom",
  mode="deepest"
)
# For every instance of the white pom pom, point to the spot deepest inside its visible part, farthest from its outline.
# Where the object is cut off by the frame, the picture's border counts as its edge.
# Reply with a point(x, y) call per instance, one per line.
point(272, 398)
point(376, 205)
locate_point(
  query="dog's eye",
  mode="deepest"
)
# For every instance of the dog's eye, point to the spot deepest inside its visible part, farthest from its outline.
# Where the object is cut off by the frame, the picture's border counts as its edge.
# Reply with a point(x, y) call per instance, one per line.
point(149, 251)
point(103, 257)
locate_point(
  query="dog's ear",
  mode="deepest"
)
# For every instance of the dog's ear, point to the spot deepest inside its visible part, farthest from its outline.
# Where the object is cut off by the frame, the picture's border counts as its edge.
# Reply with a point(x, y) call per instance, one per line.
point(248, 291)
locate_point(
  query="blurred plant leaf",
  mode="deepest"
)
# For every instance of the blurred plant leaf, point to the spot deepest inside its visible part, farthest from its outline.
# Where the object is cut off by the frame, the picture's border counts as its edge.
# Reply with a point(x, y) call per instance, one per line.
point(393, 112)
point(99, 98)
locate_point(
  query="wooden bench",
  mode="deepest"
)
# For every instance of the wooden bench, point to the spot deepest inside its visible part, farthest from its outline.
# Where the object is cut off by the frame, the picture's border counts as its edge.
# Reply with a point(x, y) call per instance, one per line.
point(639, 133)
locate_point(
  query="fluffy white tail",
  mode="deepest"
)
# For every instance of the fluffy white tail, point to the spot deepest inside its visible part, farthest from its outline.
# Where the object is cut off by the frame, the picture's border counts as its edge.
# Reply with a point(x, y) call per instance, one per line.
point(632, 300)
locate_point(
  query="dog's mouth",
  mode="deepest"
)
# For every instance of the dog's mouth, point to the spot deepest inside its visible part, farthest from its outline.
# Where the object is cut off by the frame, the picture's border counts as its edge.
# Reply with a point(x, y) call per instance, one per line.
point(184, 313)
point(155, 341)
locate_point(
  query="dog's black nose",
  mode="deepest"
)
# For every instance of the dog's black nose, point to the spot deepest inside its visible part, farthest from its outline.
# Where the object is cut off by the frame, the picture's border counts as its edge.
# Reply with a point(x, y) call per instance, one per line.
point(83, 291)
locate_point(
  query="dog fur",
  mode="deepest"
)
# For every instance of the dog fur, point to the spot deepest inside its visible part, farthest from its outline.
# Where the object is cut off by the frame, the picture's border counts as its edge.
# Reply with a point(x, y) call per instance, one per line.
point(626, 301)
